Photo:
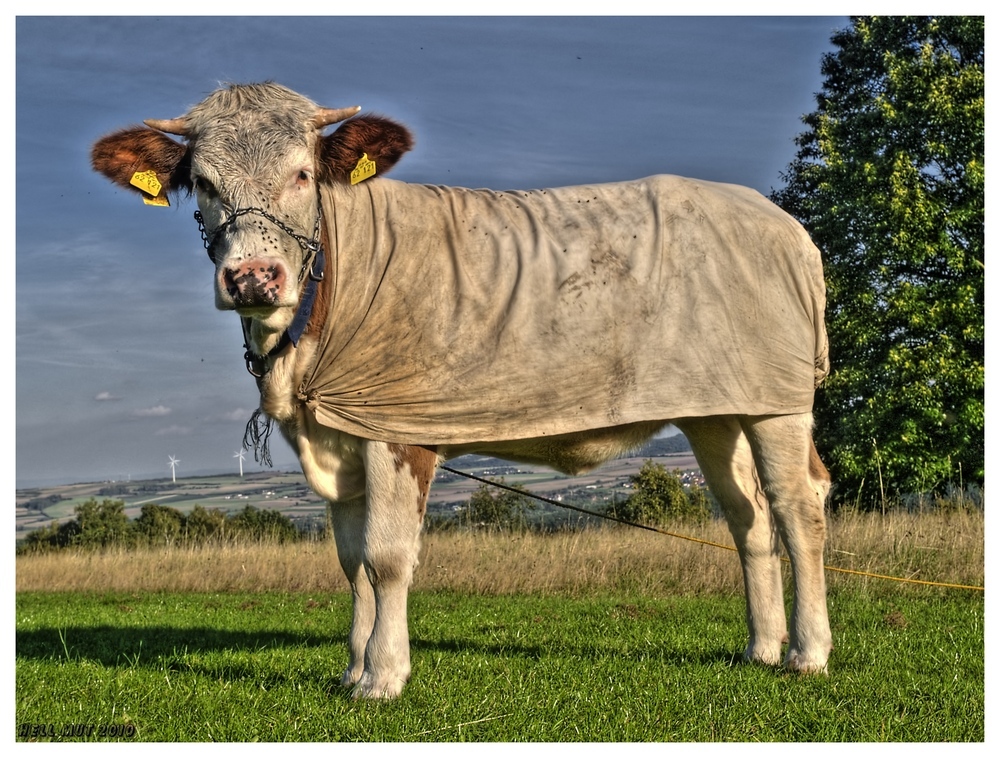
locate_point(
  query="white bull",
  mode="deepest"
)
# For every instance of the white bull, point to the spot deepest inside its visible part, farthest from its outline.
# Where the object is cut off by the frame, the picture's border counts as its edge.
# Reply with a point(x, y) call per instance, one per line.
point(393, 326)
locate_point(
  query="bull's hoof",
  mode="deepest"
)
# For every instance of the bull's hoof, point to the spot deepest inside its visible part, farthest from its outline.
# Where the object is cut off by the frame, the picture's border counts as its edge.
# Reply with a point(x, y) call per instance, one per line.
point(802, 663)
point(765, 655)
point(350, 678)
point(370, 688)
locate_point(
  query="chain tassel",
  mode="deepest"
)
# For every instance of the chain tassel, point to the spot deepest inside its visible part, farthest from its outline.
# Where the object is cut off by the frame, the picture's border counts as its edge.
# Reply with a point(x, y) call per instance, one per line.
point(258, 430)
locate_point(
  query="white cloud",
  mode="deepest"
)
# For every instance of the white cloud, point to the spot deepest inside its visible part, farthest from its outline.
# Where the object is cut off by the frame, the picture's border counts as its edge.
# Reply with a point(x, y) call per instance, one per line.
point(156, 410)
point(105, 396)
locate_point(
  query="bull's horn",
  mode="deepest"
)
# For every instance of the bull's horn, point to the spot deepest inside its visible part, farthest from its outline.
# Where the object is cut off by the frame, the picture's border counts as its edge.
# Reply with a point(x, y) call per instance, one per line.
point(178, 126)
point(327, 116)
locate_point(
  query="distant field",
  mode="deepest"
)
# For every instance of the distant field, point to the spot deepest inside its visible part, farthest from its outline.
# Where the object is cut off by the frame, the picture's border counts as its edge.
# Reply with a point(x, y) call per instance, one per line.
point(288, 492)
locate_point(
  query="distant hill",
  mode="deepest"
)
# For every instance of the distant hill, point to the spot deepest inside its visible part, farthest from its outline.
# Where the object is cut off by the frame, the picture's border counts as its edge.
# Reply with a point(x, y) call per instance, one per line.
point(675, 445)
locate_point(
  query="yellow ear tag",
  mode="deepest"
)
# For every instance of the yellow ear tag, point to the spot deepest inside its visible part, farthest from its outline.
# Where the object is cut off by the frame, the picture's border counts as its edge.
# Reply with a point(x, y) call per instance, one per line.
point(364, 169)
point(147, 182)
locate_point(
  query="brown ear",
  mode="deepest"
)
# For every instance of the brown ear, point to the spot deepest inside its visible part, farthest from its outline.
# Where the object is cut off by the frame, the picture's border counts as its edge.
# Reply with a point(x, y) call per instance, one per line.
point(382, 140)
point(121, 155)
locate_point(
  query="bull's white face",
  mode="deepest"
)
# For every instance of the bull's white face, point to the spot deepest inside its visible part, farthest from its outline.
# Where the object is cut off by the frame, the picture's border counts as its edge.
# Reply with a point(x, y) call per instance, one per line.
point(257, 262)
point(253, 170)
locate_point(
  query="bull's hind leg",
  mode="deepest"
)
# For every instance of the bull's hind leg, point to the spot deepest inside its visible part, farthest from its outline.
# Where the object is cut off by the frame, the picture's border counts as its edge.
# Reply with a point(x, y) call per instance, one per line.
point(348, 530)
point(796, 484)
point(726, 462)
point(397, 483)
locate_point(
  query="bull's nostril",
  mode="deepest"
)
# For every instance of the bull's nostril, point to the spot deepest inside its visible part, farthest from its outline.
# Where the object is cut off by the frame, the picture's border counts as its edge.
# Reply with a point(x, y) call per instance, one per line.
point(254, 284)
point(229, 280)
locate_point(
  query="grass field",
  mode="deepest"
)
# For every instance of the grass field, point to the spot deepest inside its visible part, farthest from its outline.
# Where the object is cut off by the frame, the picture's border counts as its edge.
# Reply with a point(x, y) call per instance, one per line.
point(601, 636)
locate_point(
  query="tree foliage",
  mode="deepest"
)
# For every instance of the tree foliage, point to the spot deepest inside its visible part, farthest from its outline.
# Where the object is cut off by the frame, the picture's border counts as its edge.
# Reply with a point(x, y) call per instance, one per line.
point(100, 524)
point(493, 508)
point(889, 181)
point(658, 497)
point(258, 524)
point(202, 526)
point(105, 524)
point(159, 525)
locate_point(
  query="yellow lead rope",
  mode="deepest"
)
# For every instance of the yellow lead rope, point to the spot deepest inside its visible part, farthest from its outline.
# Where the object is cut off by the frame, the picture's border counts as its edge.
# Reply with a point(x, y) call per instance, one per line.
point(695, 539)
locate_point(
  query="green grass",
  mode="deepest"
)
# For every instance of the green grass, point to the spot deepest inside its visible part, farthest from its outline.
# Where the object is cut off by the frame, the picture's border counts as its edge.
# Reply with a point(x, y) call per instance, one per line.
point(265, 666)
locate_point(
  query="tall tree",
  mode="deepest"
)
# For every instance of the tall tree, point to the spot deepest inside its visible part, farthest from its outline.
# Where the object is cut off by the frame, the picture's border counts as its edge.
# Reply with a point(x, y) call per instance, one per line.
point(889, 181)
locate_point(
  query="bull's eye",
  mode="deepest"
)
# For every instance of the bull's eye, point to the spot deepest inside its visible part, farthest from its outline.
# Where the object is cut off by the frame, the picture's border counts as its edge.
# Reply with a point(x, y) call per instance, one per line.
point(302, 178)
point(201, 184)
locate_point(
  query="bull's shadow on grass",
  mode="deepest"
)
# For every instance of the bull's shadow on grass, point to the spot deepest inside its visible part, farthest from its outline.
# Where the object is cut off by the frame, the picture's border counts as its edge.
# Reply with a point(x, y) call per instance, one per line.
point(219, 654)
point(662, 653)
point(114, 645)
point(184, 648)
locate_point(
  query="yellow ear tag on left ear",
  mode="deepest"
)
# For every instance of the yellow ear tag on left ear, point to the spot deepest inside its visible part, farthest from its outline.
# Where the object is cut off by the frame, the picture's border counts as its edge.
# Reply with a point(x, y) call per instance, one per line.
point(147, 182)
point(364, 169)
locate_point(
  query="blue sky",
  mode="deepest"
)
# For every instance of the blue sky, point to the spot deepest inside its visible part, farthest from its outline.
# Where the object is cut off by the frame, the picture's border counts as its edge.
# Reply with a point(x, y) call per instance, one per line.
point(122, 360)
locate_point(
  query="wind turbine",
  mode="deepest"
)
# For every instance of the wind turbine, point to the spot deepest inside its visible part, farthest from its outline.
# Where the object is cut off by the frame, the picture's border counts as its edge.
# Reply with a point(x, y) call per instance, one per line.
point(173, 468)
point(239, 455)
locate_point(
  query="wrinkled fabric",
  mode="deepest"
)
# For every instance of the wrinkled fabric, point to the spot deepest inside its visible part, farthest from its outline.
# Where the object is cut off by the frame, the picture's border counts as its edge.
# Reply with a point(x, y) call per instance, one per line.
point(462, 316)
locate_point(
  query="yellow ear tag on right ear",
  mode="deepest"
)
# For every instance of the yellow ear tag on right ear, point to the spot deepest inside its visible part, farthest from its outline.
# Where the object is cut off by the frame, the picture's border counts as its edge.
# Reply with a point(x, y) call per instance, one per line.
point(147, 182)
point(158, 200)
point(364, 169)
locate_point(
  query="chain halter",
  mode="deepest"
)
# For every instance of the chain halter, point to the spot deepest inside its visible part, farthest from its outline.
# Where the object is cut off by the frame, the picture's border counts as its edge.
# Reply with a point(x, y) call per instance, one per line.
point(311, 246)
point(313, 265)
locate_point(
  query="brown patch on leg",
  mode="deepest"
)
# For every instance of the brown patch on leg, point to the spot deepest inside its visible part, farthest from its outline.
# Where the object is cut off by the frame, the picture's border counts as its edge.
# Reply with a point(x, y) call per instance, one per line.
point(422, 462)
point(819, 476)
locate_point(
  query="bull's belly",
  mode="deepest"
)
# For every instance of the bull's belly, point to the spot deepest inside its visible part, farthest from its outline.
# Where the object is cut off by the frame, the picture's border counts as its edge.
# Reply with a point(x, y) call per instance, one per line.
point(572, 454)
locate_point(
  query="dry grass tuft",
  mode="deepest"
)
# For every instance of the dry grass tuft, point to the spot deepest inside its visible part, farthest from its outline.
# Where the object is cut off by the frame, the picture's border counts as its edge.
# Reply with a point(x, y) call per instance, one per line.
point(308, 566)
point(617, 559)
point(947, 547)
point(944, 546)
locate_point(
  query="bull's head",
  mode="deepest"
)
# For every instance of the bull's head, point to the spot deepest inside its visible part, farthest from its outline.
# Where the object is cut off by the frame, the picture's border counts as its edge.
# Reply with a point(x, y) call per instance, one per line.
point(254, 156)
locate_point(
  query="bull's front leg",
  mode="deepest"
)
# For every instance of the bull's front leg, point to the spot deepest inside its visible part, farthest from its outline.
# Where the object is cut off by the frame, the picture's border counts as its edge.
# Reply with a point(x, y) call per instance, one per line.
point(348, 520)
point(397, 483)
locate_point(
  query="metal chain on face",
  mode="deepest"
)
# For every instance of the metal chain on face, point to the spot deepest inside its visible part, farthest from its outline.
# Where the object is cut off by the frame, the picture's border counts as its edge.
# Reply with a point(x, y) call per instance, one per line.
point(310, 246)
point(313, 263)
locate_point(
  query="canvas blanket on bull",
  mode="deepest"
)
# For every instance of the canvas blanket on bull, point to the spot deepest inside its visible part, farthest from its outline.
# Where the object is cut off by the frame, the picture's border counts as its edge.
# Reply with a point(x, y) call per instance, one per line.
point(462, 316)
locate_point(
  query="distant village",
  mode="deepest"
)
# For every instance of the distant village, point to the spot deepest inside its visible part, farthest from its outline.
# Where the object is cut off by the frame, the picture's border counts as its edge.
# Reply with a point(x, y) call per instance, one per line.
point(288, 492)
